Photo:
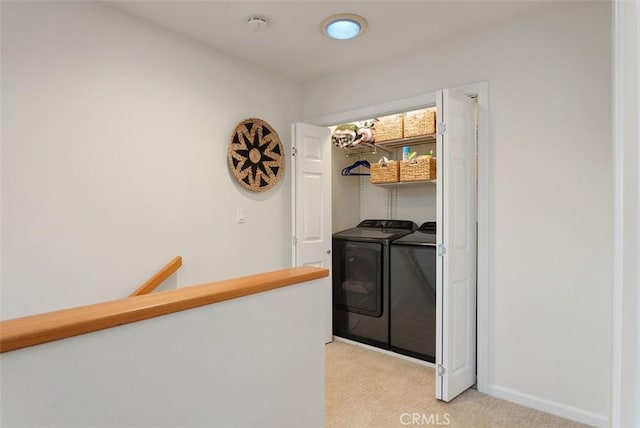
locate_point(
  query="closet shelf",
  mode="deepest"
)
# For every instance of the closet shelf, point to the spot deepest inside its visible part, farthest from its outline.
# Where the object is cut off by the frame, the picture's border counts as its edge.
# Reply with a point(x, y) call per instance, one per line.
point(406, 183)
point(409, 141)
point(389, 145)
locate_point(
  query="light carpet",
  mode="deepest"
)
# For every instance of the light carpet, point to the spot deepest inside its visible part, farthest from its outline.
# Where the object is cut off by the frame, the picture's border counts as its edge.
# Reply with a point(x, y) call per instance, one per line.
point(365, 388)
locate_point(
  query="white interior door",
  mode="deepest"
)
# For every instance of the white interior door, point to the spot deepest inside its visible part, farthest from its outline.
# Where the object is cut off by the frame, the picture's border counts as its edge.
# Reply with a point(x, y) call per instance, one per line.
point(311, 192)
point(456, 267)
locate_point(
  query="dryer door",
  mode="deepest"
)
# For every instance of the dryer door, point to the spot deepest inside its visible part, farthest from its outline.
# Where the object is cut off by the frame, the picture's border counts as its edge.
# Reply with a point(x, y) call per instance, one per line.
point(357, 277)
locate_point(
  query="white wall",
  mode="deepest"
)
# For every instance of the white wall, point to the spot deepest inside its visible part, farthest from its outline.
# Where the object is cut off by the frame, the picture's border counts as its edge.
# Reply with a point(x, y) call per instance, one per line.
point(114, 142)
point(345, 192)
point(550, 185)
point(416, 203)
point(253, 361)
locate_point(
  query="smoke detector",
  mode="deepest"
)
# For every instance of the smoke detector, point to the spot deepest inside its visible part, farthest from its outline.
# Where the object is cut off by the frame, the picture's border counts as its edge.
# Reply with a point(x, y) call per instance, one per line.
point(257, 23)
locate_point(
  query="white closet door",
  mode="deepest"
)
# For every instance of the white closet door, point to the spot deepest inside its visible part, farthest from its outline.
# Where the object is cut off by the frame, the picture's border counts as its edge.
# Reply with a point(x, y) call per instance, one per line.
point(456, 268)
point(311, 192)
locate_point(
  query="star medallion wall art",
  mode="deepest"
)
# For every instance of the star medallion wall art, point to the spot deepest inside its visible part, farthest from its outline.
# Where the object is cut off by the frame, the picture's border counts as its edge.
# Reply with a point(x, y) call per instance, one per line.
point(255, 155)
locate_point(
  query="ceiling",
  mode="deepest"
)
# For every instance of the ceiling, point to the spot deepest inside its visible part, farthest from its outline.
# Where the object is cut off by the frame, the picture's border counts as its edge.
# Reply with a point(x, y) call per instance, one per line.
point(293, 43)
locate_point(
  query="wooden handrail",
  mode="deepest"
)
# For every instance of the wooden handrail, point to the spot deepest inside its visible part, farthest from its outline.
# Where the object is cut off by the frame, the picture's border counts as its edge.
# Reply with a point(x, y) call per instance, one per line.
point(159, 277)
point(37, 329)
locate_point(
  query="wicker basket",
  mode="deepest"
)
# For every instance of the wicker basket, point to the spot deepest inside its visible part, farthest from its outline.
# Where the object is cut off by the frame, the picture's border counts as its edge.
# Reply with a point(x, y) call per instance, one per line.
point(389, 128)
point(420, 122)
point(422, 168)
point(385, 174)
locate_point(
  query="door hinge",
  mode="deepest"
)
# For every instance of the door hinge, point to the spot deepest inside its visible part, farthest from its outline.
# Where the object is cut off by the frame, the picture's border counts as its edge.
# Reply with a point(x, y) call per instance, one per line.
point(294, 151)
point(295, 241)
point(442, 250)
point(442, 128)
point(441, 370)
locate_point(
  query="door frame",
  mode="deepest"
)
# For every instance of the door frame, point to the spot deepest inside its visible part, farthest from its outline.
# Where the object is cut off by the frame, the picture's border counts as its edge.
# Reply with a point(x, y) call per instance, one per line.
point(625, 371)
point(480, 91)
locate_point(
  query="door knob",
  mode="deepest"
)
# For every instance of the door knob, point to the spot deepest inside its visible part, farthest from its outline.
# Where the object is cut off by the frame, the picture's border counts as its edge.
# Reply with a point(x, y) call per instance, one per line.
point(328, 251)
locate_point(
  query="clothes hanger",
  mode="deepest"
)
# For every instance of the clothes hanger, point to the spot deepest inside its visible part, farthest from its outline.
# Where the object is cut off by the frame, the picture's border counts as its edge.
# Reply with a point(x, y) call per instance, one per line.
point(361, 163)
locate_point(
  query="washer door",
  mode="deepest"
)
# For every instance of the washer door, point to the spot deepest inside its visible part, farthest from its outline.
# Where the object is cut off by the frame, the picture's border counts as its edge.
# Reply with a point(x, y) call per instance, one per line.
point(357, 277)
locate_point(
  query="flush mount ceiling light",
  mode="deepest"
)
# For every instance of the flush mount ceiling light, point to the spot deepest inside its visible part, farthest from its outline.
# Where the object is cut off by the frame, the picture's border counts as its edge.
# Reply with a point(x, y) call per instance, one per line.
point(343, 26)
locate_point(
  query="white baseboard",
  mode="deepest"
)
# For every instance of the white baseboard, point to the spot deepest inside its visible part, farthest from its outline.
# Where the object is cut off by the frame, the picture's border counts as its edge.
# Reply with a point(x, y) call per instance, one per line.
point(558, 409)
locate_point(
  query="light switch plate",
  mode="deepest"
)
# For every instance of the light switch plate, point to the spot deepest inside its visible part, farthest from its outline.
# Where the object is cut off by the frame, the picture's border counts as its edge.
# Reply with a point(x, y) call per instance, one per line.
point(239, 215)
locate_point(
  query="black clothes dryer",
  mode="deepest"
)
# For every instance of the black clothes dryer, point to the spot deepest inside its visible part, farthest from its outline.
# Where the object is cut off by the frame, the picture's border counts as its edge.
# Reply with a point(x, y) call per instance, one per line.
point(413, 294)
point(361, 280)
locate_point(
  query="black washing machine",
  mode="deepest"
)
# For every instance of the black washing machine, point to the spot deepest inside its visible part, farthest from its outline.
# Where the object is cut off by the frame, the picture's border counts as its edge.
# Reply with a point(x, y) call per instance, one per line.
point(361, 279)
point(413, 294)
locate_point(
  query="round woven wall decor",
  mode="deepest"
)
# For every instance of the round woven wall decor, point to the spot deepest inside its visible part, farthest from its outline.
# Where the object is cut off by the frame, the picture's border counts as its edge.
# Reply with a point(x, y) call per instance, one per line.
point(255, 155)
